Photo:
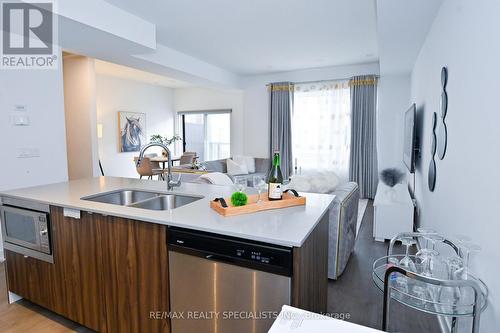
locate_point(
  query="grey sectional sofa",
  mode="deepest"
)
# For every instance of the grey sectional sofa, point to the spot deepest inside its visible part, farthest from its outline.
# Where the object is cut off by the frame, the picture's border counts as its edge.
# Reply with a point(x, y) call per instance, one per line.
point(342, 231)
point(262, 166)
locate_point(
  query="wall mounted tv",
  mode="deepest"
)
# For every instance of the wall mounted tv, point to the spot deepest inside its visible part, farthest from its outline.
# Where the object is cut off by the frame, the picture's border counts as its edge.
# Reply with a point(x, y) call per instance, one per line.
point(410, 148)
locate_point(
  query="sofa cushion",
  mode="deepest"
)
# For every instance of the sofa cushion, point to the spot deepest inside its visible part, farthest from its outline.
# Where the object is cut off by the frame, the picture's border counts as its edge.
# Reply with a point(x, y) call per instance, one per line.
point(234, 168)
point(318, 182)
point(262, 165)
point(248, 160)
point(216, 165)
point(217, 178)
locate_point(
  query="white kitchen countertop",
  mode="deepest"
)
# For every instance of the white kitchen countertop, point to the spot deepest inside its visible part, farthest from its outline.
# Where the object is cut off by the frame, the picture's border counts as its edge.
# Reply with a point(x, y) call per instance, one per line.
point(288, 226)
point(293, 320)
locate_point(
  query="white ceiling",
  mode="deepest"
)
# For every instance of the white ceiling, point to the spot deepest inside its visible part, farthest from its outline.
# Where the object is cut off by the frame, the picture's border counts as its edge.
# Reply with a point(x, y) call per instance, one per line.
point(262, 36)
point(129, 73)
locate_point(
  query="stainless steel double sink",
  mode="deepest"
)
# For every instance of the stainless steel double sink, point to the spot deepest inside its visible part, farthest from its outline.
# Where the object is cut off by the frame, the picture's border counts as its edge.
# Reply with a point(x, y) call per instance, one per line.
point(144, 199)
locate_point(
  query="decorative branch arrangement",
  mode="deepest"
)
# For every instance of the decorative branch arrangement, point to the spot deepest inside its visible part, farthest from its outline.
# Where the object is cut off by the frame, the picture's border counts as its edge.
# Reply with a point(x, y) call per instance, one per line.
point(391, 176)
point(165, 140)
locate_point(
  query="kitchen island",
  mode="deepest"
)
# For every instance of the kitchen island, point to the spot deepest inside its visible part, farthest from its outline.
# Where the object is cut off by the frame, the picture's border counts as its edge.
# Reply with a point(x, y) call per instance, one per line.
point(110, 263)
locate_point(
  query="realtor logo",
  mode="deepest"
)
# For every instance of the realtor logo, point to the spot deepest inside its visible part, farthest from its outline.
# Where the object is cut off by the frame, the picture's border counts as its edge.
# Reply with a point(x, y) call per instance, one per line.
point(28, 31)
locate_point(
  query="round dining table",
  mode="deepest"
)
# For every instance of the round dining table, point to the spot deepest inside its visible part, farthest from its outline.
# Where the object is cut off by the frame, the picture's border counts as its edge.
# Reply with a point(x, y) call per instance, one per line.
point(163, 160)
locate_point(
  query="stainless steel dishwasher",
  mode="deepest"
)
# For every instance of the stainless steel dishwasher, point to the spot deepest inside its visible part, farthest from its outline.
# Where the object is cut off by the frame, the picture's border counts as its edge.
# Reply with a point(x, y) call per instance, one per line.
point(222, 284)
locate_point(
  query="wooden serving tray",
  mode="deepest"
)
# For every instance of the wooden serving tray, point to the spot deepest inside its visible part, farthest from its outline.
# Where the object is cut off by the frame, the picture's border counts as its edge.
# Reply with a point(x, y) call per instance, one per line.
point(289, 200)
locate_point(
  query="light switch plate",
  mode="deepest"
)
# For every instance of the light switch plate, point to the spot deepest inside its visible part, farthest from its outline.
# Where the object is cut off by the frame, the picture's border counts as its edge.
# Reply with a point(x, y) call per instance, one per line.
point(28, 152)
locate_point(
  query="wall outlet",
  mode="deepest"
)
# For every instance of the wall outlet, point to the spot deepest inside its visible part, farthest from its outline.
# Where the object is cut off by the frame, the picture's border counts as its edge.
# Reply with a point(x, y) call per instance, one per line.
point(20, 120)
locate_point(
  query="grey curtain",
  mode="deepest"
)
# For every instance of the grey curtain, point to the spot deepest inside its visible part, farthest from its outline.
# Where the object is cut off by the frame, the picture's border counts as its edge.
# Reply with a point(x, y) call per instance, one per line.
point(363, 160)
point(281, 105)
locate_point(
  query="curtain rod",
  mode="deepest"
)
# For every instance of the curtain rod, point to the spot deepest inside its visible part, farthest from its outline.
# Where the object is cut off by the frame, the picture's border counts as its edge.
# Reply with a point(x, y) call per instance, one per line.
point(328, 80)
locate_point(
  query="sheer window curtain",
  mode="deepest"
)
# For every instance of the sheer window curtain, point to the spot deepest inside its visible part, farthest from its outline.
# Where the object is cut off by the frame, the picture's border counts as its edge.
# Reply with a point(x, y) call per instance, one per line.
point(321, 127)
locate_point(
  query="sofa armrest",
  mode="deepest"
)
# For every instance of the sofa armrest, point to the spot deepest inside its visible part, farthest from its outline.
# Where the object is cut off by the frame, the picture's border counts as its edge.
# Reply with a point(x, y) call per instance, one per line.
point(342, 231)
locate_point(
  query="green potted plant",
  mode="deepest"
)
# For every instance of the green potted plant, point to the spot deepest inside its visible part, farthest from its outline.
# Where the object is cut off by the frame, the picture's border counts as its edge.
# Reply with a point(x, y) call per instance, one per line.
point(165, 140)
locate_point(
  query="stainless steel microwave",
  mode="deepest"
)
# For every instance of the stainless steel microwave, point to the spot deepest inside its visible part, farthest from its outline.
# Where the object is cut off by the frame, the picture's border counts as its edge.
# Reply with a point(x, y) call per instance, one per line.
point(26, 228)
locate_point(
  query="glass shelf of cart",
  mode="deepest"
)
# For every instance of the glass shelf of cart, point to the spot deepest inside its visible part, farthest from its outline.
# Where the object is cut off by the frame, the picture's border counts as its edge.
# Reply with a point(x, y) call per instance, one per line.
point(436, 295)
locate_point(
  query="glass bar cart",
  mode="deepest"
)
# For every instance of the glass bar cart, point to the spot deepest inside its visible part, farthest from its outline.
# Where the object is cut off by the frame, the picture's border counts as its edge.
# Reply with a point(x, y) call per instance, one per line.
point(437, 294)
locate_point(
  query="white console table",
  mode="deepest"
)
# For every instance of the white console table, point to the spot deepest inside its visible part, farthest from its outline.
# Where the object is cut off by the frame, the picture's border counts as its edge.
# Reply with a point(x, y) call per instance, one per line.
point(393, 211)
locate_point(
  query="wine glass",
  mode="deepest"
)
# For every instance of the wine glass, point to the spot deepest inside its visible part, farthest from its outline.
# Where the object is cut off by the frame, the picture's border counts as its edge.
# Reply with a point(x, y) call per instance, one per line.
point(451, 295)
point(426, 231)
point(426, 255)
point(240, 183)
point(260, 185)
point(466, 249)
point(406, 262)
point(402, 281)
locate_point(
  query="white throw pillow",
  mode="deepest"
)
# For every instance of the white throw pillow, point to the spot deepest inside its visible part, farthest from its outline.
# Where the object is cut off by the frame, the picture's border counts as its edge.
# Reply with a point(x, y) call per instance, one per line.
point(234, 168)
point(217, 178)
point(248, 160)
point(317, 182)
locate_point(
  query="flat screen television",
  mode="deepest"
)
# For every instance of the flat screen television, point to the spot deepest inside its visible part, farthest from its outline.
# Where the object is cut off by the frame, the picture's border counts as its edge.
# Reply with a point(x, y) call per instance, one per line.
point(410, 138)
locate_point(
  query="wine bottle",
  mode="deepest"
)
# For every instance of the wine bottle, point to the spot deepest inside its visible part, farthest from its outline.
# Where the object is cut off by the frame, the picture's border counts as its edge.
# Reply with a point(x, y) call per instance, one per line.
point(275, 179)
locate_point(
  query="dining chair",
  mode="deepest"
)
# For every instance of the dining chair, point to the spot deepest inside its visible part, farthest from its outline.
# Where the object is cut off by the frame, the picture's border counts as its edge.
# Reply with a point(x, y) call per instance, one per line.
point(187, 158)
point(155, 165)
point(145, 169)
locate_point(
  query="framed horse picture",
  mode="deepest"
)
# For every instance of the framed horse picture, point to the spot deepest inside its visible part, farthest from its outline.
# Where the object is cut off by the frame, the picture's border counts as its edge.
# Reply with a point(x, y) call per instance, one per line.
point(132, 131)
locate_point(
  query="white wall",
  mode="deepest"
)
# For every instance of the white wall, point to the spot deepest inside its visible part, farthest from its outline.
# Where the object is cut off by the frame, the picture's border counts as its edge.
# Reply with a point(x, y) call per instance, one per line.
point(116, 94)
point(41, 91)
point(256, 100)
point(195, 99)
point(81, 114)
point(393, 101)
point(465, 200)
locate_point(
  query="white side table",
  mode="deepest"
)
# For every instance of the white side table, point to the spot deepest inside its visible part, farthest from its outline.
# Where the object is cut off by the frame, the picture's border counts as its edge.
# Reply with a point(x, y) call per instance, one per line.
point(393, 211)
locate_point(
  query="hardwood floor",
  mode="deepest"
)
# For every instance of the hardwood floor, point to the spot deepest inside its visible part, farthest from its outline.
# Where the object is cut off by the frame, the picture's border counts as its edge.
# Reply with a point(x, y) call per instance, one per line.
point(355, 294)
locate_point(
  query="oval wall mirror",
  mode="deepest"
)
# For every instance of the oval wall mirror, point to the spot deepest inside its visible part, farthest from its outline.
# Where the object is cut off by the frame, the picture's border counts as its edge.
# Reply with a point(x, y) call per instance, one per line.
point(442, 138)
point(432, 175)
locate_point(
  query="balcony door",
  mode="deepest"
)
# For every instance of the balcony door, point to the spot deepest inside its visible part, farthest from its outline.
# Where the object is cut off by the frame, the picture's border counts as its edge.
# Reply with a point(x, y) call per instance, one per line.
point(207, 133)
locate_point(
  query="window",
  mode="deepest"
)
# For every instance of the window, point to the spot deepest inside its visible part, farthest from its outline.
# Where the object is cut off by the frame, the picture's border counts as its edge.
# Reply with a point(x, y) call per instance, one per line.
point(206, 133)
point(321, 127)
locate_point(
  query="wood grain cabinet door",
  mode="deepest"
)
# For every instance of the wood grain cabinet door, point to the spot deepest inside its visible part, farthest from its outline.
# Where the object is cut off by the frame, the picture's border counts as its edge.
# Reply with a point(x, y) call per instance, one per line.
point(135, 275)
point(30, 278)
point(78, 293)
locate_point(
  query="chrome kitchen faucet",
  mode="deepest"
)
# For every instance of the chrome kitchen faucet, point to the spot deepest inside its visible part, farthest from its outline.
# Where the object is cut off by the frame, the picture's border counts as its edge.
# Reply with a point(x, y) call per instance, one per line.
point(170, 183)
